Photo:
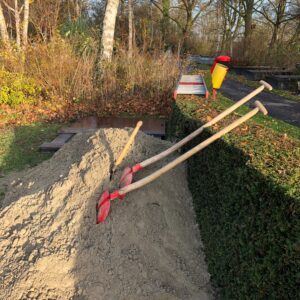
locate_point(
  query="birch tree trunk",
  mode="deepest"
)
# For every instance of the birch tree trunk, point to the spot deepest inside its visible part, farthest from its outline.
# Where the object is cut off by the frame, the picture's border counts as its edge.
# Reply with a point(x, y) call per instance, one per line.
point(130, 28)
point(109, 22)
point(17, 22)
point(25, 23)
point(3, 28)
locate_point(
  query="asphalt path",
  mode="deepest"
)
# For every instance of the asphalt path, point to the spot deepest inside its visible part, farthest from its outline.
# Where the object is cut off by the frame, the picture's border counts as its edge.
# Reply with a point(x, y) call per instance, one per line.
point(277, 106)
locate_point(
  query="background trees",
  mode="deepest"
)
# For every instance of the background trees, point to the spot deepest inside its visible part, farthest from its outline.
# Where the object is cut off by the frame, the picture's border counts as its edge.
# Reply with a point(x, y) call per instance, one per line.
point(277, 13)
point(256, 31)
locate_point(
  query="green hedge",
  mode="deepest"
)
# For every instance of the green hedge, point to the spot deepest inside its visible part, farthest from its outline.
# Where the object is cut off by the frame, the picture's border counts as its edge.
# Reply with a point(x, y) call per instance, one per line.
point(246, 192)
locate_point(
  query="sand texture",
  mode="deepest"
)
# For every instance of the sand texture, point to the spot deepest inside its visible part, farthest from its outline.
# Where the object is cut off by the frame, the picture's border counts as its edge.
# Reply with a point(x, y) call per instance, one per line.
point(51, 248)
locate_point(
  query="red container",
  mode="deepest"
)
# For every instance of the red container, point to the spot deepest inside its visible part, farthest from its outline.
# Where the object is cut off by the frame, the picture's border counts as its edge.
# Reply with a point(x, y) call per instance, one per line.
point(220, 59)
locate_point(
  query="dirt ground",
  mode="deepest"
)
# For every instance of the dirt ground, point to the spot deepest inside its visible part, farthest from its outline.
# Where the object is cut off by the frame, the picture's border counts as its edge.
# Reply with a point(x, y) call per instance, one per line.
point(50, 247)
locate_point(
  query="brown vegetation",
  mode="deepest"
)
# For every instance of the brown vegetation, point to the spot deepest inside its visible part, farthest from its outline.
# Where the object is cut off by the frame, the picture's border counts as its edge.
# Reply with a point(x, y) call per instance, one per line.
point(55, 46)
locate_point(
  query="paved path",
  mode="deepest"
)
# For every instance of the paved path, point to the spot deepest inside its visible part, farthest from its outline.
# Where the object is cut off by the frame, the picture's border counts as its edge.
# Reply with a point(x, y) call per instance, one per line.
point(277, 106)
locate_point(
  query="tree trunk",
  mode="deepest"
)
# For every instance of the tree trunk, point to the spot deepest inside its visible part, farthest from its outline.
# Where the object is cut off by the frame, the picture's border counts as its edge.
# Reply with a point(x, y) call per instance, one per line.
point(17, 22)
point(182, 41)
point(25, 23)
point(247, 34)
point(77, 9)
point(276, 26)
point(109, 22)
point(274, 37)
point(165, 21)
point(130, 28)
point(248, 23)
point(3, 28)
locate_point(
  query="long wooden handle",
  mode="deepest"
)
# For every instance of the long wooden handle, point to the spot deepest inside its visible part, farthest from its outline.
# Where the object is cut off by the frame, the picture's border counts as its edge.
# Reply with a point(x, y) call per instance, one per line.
point(139, 124)
point(239, 103)
point(195, 133)
point(188, 154)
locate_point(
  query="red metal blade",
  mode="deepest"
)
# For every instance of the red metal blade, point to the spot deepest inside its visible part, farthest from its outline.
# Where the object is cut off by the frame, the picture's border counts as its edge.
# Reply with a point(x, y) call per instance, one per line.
point(103, 211)
point(105, 196)
point(124, 178)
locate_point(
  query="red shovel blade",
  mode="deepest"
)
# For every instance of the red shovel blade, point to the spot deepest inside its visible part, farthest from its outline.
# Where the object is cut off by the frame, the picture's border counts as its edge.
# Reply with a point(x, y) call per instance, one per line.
point(104, 197)
point(103, 211)
point(103, 207)
point(127, 180)
point(126, 177)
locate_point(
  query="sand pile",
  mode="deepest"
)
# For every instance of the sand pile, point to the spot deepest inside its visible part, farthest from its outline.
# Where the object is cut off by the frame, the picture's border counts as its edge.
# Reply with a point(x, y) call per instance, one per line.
point(51, 248)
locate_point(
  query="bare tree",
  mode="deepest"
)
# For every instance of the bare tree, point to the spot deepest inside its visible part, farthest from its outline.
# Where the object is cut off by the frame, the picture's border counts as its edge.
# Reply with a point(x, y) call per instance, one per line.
point(277, 13)
point(109, 22)
point(3, 27)
point(25, 23)
point(17, 12)
point(231, 22)
point(245, 10)
point(184, 14)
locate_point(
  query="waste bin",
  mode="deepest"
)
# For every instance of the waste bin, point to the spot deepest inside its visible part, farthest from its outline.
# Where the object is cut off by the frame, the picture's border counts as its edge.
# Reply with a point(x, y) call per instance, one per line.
point(218, 75)
point(223, 59)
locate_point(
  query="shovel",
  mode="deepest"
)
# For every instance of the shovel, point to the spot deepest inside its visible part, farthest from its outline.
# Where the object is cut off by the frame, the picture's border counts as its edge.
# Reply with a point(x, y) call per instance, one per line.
point(125, 150)
point(103, 206)
point(127, 175)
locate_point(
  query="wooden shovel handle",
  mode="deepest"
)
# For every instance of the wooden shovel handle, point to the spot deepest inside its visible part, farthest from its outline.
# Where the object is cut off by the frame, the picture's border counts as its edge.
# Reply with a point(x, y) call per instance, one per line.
point(239, 103)
point(195, 133)
point(188, 154)
point(139, 124)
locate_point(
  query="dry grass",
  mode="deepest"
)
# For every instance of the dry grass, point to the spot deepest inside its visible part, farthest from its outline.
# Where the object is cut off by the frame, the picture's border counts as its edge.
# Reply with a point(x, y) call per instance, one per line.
point(60, 71)
point(146, 76)
point(141, 85)
point(55, 66)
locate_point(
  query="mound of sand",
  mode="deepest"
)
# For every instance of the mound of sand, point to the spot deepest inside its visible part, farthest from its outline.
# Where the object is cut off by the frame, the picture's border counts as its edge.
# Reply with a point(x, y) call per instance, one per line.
point(51, 248)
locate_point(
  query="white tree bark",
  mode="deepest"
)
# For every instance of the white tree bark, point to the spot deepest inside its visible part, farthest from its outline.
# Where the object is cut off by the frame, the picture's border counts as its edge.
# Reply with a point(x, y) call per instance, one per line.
point(130, 28)
point(109, 22)
point(25, 23)
point(3, 27)
point(18, 29)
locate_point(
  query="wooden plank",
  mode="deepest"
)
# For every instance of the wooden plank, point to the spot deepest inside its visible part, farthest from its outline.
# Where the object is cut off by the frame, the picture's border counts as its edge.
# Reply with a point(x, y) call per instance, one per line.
point(71, 130)
point(57, 143)
point(159, 132)
point(154, 127)
point(150, 125)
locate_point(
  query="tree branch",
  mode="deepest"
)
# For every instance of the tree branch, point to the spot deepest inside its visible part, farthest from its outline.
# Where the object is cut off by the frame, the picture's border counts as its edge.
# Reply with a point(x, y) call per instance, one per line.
point(168, 15)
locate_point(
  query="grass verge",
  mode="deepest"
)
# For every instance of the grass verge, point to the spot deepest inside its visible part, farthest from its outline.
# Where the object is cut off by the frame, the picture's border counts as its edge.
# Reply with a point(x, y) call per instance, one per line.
point(19, 145)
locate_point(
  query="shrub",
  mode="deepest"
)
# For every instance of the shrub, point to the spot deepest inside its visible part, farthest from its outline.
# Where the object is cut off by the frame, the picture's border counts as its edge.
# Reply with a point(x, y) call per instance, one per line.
point(15, 89)
point(246, 192)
